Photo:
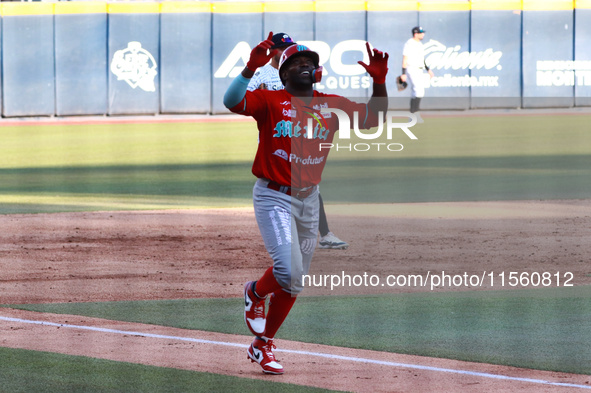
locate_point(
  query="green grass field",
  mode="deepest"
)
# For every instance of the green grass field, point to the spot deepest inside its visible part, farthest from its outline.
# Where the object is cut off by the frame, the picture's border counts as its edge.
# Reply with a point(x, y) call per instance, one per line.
point(125, 166)
point(58, 168)
point(546, 329)
point(186, 165)
point(30, 371)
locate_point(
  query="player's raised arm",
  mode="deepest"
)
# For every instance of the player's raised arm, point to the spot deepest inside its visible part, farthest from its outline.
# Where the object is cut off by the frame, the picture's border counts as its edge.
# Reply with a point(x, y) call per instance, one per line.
point(377, 69)
point(259, 56)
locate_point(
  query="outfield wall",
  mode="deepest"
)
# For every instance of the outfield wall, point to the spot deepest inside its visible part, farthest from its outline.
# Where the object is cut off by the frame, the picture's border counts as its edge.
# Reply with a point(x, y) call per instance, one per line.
point(97, 58)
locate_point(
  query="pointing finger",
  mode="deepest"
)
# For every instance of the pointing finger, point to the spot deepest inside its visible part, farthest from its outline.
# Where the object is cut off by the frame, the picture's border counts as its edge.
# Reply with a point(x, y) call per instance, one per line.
point(368, 48)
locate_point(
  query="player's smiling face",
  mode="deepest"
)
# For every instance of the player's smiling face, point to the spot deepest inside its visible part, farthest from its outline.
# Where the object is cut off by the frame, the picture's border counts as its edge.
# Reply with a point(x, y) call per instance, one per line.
point(299, 70)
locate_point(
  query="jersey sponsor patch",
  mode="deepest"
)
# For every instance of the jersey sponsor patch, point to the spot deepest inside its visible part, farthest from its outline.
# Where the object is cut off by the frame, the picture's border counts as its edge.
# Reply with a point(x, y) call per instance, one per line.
point(319, 108)
point(306, 160)
point(281, 153)
point(289, 112)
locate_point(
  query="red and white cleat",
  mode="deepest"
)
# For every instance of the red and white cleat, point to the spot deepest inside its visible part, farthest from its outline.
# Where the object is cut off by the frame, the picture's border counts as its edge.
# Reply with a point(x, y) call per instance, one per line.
point(254, 310)
point(261, 352)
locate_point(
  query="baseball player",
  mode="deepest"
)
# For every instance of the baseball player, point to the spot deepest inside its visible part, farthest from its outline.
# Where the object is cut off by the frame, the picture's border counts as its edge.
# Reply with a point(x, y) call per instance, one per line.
point(267, 77)
point(413, 64)
point(288, 165)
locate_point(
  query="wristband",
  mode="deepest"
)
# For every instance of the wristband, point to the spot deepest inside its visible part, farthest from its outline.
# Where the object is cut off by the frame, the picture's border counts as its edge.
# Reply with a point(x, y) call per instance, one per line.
point(250, 67)
point(403, 71)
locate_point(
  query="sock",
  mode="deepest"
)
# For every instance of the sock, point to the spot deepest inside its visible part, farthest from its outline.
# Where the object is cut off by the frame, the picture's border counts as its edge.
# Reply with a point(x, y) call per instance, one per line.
point(280, 305)
point(415, 104)
point(267, 284)
point(322, 221)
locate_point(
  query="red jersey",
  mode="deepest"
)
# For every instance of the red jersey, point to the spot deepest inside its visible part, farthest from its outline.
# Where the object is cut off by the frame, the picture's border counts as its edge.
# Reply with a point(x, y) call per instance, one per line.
point(286, 154)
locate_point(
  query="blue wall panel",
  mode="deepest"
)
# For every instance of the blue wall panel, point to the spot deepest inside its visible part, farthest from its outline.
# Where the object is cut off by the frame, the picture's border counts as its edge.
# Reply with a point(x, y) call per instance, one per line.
point(1, 77)
point(175, 57)
point(81, 64)
point(231, 48)
point(446, 44)
point(299, 25)
point(185, 48)
point(134, 58)
point(496, 46)
point(28, 65)
point(388, 31)
point(547, 37)
point(582, 57)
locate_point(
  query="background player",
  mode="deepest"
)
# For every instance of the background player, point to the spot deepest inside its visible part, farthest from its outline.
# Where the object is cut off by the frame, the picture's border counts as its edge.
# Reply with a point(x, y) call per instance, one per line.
point(413, 64)
point(285, 195)
point(267, 77)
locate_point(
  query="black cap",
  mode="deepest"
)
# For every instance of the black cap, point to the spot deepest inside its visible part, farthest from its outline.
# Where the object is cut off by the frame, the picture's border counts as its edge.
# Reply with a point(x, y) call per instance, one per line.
point(281, 40)
point(417, 29)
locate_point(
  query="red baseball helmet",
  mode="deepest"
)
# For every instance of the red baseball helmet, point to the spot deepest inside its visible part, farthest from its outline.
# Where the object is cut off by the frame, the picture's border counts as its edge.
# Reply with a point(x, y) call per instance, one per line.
point(301, 50)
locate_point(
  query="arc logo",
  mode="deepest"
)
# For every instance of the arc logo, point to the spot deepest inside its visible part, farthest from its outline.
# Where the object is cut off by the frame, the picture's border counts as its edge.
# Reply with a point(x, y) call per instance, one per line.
point(136, 66)
point(342, 71)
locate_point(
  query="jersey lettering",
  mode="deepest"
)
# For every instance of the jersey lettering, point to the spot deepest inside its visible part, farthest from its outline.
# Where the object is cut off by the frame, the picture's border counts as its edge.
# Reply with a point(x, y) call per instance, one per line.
point(285, 128)
point(319, 132)
point(296, 130)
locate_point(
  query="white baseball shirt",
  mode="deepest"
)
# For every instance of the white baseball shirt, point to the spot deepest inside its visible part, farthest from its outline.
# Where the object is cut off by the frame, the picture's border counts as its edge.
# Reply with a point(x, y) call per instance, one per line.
point(415, 66)
point(415, 53)
point(268, 75)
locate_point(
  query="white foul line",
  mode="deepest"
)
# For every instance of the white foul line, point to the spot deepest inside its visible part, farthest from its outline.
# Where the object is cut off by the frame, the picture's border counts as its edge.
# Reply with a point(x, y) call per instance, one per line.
point(316, 354)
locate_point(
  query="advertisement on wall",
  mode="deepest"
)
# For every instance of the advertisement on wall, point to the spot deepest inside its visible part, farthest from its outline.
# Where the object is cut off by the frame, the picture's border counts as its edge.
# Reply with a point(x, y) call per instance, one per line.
point(442, 58)
point(341, 71)
point(340, 68)
point(551, 73)
point(136, 66)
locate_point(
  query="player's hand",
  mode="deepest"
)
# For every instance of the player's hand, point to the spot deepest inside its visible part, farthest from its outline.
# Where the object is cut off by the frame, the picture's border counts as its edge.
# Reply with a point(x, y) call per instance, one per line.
point(431, 74)
point(261, 54)
point(403, 77)
point(378, 64)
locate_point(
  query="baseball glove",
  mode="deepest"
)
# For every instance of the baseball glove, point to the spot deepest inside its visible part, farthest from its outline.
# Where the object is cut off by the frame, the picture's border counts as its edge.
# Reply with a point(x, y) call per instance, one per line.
point(400, 85)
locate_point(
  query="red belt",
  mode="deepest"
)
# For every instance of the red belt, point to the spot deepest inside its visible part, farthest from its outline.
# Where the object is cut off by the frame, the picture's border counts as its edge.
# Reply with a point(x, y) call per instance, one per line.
point(300, 193)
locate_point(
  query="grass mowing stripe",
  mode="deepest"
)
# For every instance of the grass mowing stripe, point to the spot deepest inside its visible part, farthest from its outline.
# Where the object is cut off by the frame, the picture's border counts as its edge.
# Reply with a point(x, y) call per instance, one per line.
point(126, 144)
point(56, 168)
point(35, 203)
point(32, 371)
point(199, 164)
point(457, 179)
point(546, 329)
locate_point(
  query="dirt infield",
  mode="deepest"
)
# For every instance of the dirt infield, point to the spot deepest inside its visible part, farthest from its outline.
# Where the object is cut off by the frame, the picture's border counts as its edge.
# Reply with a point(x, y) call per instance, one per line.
point(78, 257)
